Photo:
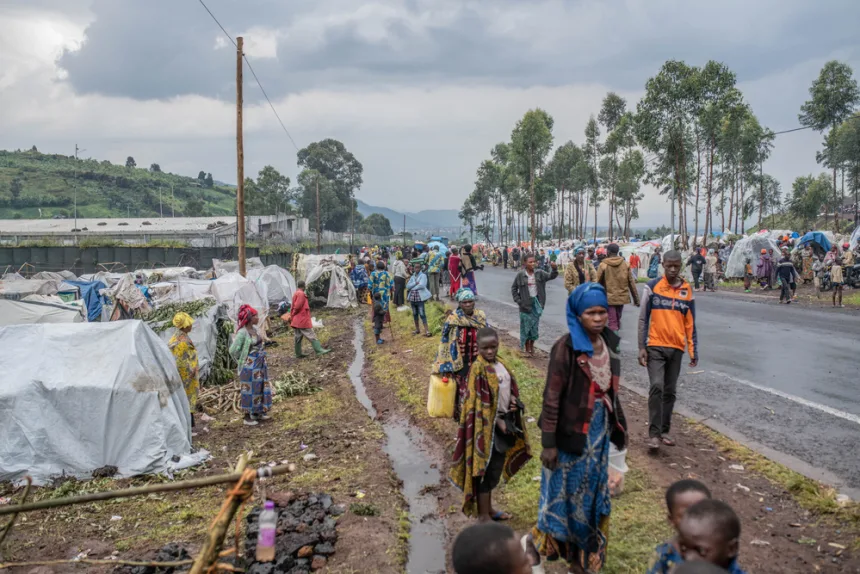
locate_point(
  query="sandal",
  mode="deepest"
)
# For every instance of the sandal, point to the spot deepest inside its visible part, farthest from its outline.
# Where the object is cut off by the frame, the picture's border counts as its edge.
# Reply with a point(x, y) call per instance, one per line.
point(501, 516)
point(667, 441)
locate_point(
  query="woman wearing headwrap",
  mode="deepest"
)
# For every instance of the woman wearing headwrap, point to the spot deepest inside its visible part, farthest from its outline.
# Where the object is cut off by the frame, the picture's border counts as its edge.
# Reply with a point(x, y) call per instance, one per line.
point(185, 355)
point(581, 414)
point(247, 349)
point(458, 348)
point(579, 271)
point(764, 269)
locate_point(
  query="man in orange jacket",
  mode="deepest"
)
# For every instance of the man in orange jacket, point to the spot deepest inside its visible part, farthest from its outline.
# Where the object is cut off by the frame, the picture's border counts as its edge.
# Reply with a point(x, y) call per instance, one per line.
point(667, 325)
point(300, 321)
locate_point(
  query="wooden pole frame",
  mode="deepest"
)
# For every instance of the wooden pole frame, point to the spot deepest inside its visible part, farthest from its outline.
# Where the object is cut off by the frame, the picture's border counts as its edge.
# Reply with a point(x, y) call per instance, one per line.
point(240, 160)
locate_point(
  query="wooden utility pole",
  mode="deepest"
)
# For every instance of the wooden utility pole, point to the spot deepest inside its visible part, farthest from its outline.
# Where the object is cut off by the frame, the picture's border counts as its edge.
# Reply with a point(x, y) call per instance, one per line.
point(240, 161)
point(319, 228)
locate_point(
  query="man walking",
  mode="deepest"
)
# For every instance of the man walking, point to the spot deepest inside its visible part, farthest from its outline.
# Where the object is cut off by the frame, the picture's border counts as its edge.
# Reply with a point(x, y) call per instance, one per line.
point(505, 256)
point(667, 325)
point(434, 269)
point(529, 293)
point(615, 276)
point(400, 276)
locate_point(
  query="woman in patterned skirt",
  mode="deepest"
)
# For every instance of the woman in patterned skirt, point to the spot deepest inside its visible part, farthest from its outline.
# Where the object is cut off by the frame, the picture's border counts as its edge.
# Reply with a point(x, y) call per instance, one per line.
point(248, 350)
point(581, 414)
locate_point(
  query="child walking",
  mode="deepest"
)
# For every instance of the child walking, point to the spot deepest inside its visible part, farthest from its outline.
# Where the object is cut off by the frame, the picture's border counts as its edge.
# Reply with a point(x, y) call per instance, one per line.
point(748, 275)
point(378, 317)
point(491, 442)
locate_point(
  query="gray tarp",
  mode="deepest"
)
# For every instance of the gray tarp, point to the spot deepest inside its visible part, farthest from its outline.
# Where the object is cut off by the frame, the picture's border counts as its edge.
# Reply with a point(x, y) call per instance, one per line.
point(80, 396)
point(31, 312)
point(341, 291)
point(225, 267)
point(274, 283)
point(749, 247)
point(20, 288)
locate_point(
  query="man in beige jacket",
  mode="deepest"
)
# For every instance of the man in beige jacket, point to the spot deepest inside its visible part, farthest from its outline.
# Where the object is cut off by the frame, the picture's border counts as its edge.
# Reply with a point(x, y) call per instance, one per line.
point(614, 274)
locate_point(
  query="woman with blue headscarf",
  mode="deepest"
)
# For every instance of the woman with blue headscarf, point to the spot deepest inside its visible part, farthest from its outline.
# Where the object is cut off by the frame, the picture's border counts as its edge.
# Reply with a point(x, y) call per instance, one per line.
point(581, 414)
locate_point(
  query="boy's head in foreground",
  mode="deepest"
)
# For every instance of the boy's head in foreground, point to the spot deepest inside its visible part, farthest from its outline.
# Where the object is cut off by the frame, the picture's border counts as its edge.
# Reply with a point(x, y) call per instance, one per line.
point(489, 548)
point(710, 532)
point(683, 494)
point(488, 344)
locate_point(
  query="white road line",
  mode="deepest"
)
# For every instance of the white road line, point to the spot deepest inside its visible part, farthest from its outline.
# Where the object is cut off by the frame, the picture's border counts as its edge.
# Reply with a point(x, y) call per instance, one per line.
point(823, 408)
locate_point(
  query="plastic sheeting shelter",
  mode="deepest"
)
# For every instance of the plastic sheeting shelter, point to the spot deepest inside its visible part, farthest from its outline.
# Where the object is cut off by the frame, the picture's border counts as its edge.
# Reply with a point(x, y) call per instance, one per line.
point(90, 293)
point(62, 415)
point(341, 291)
point(233, 290)
point(20, 288)
point(224, 267)
point(855, 238)
point(274, 283)
point(749, 247)
point(819, 241)
point(32, 312)
point(180, 291)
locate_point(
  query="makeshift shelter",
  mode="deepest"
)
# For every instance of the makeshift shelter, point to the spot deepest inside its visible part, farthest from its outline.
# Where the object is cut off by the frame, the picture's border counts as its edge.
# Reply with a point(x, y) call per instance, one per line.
point(109, 279)
point(274, 283)
point(818, 241)
point(58, 276)
point(180, 291)
point(233, 290)
point(855, 238)
point(20, 288)
point(749, 247)
point(61, 415)
point(341, 291)
point(166, 273)
point(127, 300)
point(91, 294)
point(14, 276)
point(32, 312)
point(224, 267)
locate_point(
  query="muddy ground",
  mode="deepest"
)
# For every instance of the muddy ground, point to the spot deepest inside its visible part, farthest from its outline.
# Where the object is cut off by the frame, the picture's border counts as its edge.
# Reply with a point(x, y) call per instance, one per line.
point(779, 535)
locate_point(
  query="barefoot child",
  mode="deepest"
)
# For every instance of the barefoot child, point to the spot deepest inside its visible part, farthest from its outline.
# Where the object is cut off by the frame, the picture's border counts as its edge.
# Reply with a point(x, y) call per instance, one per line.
point(378, 317)
point(680, 496)
point(491, 440)
point(710, 532)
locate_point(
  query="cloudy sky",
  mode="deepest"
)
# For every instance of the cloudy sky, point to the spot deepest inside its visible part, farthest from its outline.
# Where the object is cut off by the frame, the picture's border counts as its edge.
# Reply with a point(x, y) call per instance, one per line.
point(419, 90)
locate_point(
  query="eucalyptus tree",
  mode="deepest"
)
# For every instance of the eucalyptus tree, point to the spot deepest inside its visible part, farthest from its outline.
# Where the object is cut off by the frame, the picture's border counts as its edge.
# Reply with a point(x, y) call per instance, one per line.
point(531, 141)
point(848, 152)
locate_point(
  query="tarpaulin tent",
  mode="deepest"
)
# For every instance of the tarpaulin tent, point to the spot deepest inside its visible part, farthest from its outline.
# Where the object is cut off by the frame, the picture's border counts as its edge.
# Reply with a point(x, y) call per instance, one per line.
point(274, 283)
point(63, 413)
point(32, 312)
point(819, 242)
point(109, 279)
point(180, 291)
point(90, 293)
point(341, 291)
point(855, 238)
point(224, 267)
point(233, 290)
point(20, 288)
point(60, 276)
point(749, 247)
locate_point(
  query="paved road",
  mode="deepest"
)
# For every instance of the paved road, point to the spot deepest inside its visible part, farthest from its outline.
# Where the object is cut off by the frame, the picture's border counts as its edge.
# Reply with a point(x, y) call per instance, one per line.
point(785, 377)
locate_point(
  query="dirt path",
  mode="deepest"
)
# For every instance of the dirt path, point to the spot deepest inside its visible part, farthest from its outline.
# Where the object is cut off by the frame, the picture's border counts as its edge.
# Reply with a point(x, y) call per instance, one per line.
point(779, 535)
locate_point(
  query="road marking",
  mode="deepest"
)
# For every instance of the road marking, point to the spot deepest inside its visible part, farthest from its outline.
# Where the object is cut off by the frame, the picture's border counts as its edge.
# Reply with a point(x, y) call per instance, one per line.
point(823, 408)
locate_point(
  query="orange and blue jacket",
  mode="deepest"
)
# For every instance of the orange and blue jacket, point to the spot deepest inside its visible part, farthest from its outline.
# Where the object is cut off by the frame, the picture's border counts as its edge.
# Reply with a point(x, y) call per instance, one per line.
point(668, 317)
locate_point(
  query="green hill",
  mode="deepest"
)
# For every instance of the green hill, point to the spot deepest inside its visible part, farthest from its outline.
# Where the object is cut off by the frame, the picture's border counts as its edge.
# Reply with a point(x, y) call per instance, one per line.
point(30, 180)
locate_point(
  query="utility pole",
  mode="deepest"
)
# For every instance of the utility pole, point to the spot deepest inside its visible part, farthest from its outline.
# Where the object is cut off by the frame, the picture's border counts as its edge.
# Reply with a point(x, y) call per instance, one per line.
point(160, 203)
point(240, 161)
point(404, 230)
point(76, 189)
point(172, 201)
point(319, 229)
point(672, 228)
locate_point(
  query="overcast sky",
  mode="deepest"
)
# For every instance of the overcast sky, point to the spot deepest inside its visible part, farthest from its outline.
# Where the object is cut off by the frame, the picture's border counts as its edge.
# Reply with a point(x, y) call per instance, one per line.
point(418, 90)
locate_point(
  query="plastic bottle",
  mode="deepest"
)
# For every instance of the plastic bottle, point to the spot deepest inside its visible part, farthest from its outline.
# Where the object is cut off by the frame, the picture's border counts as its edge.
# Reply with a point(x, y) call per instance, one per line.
point(268, 530)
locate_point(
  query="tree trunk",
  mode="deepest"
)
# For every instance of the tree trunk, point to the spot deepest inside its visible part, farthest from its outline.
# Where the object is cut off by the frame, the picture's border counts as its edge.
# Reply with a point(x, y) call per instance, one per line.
point(708, 225)
point(532, 196)
point(698, 179)
point(594, 233)
point(760, 193)
point(835, 208)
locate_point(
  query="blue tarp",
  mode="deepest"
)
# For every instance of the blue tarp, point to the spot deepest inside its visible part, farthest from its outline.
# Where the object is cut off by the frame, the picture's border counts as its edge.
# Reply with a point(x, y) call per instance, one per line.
point(816, 237)
point(90, 295)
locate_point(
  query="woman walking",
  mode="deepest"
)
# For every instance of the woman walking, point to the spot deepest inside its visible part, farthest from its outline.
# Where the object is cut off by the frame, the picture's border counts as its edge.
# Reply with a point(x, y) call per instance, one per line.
point(455, 265)
point(469, 266)
point(458, 348)
point(417, 293)
point(400, 276)
point(185, 355)
point(581, 415)
point(247, 349)
point(529, 293)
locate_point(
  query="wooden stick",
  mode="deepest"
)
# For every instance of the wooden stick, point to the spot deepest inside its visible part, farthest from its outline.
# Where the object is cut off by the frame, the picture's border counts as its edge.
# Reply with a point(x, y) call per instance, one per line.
point(215, 537)
point(174, 564)
point(129, 492)
point(15, 515)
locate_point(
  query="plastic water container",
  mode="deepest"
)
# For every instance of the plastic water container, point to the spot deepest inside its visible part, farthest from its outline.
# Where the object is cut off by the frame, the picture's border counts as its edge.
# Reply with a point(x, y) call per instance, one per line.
point(617, 469)
point(441, 396)
point(268, 522)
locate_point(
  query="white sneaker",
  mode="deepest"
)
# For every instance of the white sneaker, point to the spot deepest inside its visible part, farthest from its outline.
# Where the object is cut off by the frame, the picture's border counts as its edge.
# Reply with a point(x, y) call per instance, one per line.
point(249, 422)
point(265, 417)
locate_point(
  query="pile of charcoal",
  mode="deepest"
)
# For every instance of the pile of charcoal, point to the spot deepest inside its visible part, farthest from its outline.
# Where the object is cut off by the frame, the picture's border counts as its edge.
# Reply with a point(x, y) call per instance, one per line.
point(170, 553)
point(306, 534)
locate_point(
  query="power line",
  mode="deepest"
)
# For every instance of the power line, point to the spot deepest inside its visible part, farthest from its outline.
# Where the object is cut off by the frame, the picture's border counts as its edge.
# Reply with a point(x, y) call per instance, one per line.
point(253, 73)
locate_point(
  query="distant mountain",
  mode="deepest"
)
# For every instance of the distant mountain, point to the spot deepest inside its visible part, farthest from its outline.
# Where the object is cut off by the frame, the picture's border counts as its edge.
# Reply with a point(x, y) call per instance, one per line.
point(427, 220)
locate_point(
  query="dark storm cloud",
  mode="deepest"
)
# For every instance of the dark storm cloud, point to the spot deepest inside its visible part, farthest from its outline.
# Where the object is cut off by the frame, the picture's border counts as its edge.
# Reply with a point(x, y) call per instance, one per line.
point(165, 48)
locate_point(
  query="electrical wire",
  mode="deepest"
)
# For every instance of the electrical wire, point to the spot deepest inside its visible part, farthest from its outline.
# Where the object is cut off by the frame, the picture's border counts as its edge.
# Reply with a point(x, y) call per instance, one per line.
point(253, 73)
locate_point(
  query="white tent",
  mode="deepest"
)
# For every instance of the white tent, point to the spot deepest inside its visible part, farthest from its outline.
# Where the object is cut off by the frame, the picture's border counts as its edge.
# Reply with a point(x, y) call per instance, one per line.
point(31, 312)
point(750, 247)
point(109, 279)
point(274, 283)
point(20, 288)
point(341, 291)
point(167, 273)
point(233, 290)
point(60, 276)
point(63, 415)
point(224, 267)
point(181, 290)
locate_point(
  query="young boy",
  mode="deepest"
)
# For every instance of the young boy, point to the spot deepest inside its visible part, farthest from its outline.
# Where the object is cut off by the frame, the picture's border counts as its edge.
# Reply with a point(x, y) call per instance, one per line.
point(488, 548)
point(680, 496)
point(710, 532)
point(492, 439)
point(300, 321)
point(748, 275)
point(378, 317)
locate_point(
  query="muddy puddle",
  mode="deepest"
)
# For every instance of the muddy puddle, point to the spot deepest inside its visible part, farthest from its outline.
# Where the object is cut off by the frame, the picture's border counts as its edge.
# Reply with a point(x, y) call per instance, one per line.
point(404, 446)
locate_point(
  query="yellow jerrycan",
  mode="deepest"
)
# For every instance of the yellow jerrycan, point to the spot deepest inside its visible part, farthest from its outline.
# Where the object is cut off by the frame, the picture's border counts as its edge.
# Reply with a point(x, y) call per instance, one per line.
point(441, 396)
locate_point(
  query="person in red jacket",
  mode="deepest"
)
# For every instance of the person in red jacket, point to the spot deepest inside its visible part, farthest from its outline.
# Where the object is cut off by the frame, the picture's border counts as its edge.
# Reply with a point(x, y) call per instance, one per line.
point(300, 321)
